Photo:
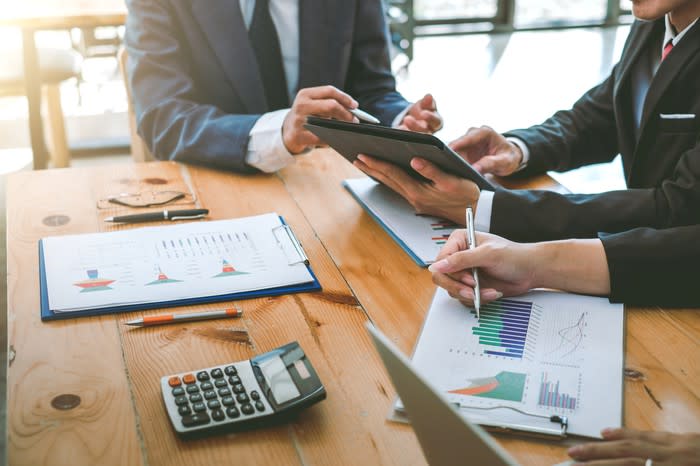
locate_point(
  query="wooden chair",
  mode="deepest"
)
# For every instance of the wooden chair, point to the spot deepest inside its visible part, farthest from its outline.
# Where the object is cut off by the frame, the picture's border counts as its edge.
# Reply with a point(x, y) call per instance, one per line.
point(56, 66)
point(139, 150)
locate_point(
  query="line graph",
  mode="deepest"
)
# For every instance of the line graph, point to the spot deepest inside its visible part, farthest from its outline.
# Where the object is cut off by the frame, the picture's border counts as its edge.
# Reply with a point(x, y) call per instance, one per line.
point(566, 339)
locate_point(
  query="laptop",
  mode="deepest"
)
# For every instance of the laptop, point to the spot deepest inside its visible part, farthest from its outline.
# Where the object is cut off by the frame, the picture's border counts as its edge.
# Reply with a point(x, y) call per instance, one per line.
point(446, 437)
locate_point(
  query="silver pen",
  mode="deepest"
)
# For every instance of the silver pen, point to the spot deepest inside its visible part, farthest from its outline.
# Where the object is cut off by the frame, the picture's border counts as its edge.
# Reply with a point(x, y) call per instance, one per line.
point(471, 244)
point(364, 116)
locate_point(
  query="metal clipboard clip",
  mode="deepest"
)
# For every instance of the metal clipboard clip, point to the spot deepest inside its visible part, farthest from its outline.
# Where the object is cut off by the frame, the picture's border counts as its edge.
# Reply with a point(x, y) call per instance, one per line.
point(287, 234)
point(559, 424)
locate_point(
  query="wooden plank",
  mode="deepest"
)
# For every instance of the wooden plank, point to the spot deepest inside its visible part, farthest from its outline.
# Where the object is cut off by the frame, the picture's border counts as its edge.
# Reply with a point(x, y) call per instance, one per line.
point(49, 365)
point(349, 426)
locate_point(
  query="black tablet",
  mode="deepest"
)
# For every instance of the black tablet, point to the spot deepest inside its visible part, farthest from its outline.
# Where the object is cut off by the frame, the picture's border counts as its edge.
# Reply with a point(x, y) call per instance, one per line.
point(393, 145)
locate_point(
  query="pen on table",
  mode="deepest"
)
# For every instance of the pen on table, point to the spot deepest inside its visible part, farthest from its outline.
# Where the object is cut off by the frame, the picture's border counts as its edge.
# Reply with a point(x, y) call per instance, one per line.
point(186, 317)
point(471, 244)
point(187, 214)
point(364, 116)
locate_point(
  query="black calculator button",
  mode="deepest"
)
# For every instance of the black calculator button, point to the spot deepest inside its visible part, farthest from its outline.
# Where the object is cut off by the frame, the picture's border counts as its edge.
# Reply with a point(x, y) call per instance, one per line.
point(247, 408)
point(220, 383)
point(242, 398)
point(255, 395)
point(196, 419)
point(230, 370)
point(178, 391)
point(184, 410)
point(218, 415)
point(209, 394)
point(217, 373)
point(238, 388)
point(206, 386)
point(181, 400)
point(232, 412)
point(214, 404)
point(202, 376)
point(259, 406)
point(227, 401)
point(195, 397)
point(234, 379)
point(192, 389)
point(199, 407)
point(224, 392)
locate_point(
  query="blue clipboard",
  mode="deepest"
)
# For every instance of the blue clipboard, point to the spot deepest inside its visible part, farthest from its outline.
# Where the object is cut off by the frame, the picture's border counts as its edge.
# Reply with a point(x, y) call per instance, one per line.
point(381, 223)
point(48, 314)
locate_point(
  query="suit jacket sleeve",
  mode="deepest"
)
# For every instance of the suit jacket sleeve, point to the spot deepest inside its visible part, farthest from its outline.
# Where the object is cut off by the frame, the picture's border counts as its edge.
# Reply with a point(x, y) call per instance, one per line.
point(654, 267)
point(541, 215)
point(170, 119)
point(369, 78)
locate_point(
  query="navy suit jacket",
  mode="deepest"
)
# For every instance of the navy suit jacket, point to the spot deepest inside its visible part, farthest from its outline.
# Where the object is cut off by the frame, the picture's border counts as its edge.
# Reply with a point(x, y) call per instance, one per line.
point(661, 161)
point(196, 88)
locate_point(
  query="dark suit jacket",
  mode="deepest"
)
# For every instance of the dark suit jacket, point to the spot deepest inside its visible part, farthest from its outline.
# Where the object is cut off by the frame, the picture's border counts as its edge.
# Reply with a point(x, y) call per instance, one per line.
point(196, 87)
point(662, 165)
point(654, 267)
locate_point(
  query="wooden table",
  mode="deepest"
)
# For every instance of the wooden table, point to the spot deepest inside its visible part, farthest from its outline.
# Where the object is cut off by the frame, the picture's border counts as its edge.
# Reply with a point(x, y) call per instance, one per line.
point(36, 15)
point(85, 391)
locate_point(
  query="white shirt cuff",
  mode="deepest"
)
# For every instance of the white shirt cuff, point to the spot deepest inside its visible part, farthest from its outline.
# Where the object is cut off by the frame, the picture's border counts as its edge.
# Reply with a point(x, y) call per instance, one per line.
point(482, 219)
point(266, 149)
point(523, 148)
point(399, 118)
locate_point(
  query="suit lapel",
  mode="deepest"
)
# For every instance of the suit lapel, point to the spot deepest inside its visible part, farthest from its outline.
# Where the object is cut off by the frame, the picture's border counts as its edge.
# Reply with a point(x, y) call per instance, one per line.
point(638, 42)
point(668, 69)
point(222, 23)
point(313, 24)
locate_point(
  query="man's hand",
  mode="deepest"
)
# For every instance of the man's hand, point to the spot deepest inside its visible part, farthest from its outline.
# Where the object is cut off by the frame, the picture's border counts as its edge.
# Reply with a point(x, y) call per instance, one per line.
point(324, 101)
point(505, 267)
point(422, 116)
point(634, 447)
point(488, 151)
point(443, 196)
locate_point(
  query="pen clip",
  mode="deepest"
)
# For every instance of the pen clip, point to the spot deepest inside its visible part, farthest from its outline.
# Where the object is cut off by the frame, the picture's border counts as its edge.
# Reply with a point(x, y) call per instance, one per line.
point(188, 217)
point(302, 259)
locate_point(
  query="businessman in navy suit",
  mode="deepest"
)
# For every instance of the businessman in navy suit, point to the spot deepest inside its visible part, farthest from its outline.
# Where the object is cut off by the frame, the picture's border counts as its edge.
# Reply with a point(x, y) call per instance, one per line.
point(647, 110)
point(229, 83)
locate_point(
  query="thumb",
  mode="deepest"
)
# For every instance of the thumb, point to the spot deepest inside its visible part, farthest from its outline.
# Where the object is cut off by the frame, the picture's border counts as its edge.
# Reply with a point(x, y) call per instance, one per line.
point(461, 260)
point(487, 164)
point(428, 170)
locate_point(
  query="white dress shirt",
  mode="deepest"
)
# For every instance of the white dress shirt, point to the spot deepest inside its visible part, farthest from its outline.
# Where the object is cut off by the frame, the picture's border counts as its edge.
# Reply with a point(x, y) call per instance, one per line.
point(266, 149)
point(484, 206)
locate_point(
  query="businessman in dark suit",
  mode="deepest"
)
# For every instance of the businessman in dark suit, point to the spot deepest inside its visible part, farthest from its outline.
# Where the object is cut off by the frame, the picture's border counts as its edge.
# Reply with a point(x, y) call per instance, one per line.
point(229, 83)
point(648, 110)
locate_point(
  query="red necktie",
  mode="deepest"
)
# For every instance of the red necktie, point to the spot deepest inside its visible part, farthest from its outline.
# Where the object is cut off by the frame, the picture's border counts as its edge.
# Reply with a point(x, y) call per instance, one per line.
point(667, 49)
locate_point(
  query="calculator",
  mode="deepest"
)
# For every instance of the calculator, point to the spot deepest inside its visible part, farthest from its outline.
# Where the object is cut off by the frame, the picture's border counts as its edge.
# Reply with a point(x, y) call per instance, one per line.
point(242, 395)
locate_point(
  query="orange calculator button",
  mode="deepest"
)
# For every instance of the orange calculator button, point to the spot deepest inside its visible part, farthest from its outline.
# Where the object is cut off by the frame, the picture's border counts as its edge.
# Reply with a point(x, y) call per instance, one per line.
point(174, 381)
point(188, 379)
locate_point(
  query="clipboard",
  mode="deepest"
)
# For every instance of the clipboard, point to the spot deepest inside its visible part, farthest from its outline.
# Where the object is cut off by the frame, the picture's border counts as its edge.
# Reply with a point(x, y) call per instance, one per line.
point(394, 146)
point(282, 233)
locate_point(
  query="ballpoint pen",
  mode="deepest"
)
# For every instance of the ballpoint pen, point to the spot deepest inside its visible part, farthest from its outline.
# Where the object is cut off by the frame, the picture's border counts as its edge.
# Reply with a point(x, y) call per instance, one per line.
point(187, 317)
point(364, 116)
point(187, 214)
point(471, 244)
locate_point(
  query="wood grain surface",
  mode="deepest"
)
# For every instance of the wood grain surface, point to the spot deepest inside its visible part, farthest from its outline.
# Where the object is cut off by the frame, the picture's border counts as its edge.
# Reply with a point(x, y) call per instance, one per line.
point(115, 370)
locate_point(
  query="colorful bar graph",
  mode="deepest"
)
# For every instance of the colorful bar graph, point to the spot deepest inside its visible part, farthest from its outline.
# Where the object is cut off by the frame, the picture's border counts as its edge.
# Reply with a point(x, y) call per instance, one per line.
point(503, 327)
point(550, 395)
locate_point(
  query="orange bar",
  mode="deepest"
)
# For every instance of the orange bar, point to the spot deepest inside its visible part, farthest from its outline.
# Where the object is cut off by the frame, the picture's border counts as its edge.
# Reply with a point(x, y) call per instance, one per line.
point(152, 320)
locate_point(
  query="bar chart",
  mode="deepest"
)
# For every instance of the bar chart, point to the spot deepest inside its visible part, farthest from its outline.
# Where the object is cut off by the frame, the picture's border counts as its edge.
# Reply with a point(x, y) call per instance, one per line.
point(503, 327)
point(550, 394)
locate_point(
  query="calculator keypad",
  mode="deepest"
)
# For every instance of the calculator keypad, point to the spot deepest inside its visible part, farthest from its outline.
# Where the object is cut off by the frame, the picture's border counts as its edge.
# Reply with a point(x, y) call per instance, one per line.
point(218, 395)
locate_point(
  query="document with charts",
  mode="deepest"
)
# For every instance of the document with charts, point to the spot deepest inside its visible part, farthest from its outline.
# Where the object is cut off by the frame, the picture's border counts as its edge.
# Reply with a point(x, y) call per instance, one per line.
point(173, 264)
point(542, 354)
point(421, 236)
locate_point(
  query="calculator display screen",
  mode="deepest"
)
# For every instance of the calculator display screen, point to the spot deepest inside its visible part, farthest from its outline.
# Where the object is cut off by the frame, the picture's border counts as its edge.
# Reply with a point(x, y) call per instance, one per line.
point(278, 379)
